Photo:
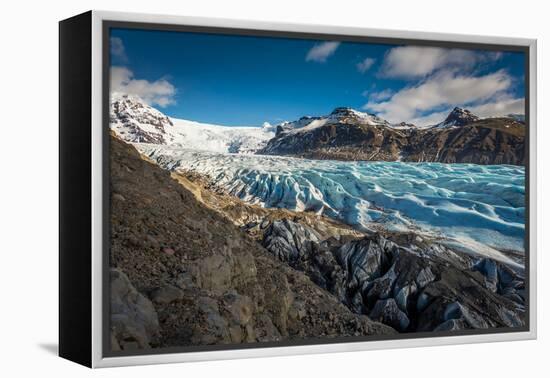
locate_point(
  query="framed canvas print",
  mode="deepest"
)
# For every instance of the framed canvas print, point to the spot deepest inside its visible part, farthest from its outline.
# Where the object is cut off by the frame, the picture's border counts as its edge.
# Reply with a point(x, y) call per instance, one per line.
point(235, 189)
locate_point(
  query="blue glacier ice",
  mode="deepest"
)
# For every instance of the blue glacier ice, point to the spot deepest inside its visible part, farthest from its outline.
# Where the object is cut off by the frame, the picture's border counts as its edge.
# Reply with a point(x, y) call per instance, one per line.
point(477, 208)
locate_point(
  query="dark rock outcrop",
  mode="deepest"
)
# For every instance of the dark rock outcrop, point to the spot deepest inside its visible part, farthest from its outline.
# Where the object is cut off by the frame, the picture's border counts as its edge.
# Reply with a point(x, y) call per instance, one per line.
point(387, 311)
point(407, 283)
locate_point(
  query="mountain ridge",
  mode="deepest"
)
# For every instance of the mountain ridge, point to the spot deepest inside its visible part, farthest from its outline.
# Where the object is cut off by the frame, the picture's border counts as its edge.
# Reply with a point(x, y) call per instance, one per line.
point(461, 138)
point(344, 134)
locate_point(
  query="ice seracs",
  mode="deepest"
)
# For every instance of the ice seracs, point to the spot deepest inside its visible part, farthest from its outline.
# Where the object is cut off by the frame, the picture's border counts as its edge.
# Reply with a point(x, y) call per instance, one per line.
point(431, 198)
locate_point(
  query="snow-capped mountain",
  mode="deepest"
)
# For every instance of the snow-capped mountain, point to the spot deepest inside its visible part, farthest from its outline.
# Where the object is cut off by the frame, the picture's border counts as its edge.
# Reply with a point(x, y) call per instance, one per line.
point(343, 135)
point(136, 122)
point(346, 134)
point(458, 117)
point(340, 115)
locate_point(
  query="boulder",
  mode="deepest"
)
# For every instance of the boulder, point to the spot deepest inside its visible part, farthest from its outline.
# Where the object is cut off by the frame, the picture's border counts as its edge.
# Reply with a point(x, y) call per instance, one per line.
point(381, 288)
point(134, 321)
point(166, 294)
point(289, 241)
point(215, 272)
point(364, 259)
point(403, 294)
point(387, 312)
point(212, 328)
point(424, 277)
point(489, 269)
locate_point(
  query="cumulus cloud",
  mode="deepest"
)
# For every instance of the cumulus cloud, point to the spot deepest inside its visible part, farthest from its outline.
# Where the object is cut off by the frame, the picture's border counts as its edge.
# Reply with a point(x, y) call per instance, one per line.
point(365, 64)
point(159, 92)
point(439, 90)
point(117, 49)
point(431, 118)
point(321, 51)
point(378, 96)
point(500, 107)
point(440, 79)
point(407, 62)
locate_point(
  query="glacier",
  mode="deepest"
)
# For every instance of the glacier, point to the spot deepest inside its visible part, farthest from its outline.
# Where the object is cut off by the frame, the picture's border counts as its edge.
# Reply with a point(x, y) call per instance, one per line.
point(134, 121)
point(476, 208)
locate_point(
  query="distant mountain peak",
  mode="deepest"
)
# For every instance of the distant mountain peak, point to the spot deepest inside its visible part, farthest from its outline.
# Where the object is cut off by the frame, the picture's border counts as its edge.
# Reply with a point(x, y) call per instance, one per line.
point(342, 115)
point(346, 111)
point(343, 110)
point(136, 121)
point(459, 117)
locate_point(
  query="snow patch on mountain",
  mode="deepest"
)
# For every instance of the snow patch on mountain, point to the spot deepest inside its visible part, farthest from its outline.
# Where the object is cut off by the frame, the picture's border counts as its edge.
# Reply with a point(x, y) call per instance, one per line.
point(458, 117)
point(136, 122)
point(208, 137)
point(339, 115)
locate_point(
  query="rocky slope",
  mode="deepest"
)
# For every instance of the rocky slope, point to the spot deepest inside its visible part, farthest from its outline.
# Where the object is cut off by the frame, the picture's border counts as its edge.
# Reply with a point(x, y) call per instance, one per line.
point(183, 274)
point(407, 282)
point(350, 135)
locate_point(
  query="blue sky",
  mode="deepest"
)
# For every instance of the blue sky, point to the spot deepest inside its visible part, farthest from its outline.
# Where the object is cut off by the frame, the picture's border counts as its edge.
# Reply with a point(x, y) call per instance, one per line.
point(241, 80)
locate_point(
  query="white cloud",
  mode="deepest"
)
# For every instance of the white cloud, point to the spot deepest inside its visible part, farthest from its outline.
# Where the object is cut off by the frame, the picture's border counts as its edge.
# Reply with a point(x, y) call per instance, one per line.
point(321, 51)
point(500, 107)
point(159, 92)
point(365, 64)
point(442, 78)
point(431, 119)
point(117, 49)
point(378, 96)
point(409, 62)
point(443, 89)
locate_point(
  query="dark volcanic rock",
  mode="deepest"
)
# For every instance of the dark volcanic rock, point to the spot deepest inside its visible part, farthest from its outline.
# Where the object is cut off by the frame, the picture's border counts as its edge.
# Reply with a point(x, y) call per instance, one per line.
point(408, 284)
point(299, 246)
point(387, 311)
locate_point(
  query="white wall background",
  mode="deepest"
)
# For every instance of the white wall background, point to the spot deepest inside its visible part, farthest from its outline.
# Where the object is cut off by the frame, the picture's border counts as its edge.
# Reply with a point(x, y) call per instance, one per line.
point(28, 207)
